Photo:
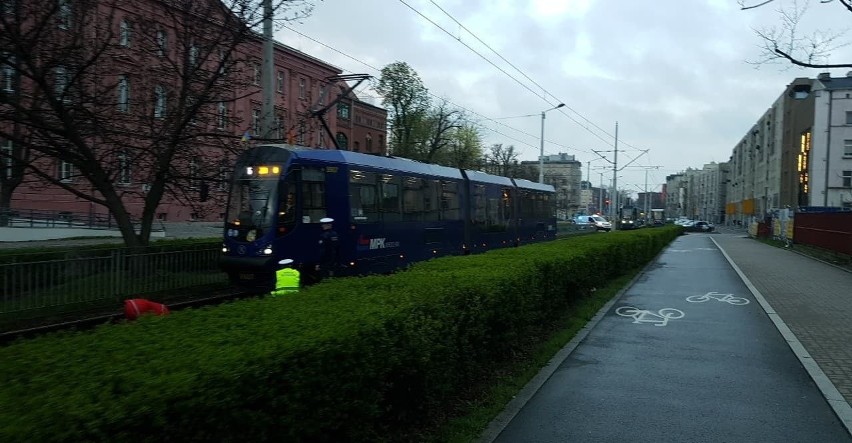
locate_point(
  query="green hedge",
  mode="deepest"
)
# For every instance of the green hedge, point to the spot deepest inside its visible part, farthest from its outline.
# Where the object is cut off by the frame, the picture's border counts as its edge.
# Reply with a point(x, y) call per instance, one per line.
point(355, 359)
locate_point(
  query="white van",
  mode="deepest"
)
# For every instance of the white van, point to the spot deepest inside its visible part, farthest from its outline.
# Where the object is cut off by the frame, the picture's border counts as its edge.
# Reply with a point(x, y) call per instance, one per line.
point(593, 221)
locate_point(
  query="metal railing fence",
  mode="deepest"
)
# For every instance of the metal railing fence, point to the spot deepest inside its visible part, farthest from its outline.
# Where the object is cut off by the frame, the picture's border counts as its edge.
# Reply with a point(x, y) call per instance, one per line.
point(38, 218)
point(116, 276)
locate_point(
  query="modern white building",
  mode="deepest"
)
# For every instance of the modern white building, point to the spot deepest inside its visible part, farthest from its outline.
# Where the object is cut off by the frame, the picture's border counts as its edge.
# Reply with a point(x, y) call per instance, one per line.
point(830, 158)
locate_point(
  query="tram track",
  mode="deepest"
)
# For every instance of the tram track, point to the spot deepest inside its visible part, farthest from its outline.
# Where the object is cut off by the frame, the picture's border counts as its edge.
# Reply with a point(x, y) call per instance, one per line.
point(90, 321)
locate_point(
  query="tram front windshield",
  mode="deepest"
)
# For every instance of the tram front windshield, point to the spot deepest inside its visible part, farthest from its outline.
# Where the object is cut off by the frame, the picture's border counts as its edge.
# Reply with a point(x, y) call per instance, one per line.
point(251, 208)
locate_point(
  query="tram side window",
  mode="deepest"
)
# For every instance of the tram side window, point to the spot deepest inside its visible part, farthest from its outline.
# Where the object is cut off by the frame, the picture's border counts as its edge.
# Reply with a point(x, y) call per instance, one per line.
point(413, 193)
point(431, 205)
point(527, 205)
point(550, 206)
point(495, 222)
point(479, 210)
point(313, 195)
point(390, 198)
point(506, 214)
point(362, 197)
point(450, 201)
point(287, 207)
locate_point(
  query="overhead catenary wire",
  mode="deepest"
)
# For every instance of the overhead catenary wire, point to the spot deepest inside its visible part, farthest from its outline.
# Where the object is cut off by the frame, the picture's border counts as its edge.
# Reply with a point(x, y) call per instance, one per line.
point(504, 59)
point(483, 117)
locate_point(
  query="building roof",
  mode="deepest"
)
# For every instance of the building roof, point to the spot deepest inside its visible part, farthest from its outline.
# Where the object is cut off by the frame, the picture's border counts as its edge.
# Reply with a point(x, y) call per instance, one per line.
point(832, 83)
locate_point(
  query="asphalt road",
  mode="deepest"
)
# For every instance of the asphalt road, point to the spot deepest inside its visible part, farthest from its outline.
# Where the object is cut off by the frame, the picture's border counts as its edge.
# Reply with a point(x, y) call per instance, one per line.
point(677, 359)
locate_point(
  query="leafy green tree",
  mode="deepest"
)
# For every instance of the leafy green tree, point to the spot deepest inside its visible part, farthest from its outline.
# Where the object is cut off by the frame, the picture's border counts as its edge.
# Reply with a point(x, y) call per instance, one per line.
point(407, 100)
point(464, 149)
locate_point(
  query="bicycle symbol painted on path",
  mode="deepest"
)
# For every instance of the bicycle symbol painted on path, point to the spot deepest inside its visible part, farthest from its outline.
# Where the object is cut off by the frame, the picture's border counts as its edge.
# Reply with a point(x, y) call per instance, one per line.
point(727, 298)
point(660, 318)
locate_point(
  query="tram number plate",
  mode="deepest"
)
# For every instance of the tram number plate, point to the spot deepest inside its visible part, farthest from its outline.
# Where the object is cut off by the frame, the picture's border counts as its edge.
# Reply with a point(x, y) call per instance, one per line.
point(246, 276)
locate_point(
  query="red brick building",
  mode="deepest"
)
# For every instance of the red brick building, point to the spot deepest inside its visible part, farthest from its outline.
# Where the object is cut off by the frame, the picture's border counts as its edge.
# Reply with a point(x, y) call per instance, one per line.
point(143, 79)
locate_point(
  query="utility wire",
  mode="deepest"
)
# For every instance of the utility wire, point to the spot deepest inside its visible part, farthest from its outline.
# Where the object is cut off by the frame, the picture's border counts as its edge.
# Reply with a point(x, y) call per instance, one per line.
point(442, 98)
point(462, 26)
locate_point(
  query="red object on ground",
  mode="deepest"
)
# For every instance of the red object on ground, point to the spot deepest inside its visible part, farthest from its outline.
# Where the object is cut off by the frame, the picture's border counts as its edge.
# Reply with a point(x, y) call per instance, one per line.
point(135, 307)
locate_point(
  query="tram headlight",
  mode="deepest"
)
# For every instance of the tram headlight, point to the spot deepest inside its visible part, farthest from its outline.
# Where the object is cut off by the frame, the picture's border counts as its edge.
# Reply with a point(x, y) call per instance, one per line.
point(224, 247)
point(267, 250)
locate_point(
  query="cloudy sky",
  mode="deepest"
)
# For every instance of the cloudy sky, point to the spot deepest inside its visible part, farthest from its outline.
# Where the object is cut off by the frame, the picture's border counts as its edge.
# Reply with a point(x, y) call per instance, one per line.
point(675, 74)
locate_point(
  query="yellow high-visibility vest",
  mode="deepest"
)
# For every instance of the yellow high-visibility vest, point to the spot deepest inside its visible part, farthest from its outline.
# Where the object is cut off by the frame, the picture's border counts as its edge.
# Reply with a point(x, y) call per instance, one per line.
point(286, 281)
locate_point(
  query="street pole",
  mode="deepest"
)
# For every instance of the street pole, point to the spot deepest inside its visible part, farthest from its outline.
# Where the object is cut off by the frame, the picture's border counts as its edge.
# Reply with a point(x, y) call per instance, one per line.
point(615, 182)
point(541, 154)
point(268, 119)
point(645, 202)
point(600, 196)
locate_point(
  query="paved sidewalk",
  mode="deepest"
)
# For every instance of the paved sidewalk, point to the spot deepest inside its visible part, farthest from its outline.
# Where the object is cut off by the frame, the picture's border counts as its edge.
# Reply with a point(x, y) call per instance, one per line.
point(813, 298)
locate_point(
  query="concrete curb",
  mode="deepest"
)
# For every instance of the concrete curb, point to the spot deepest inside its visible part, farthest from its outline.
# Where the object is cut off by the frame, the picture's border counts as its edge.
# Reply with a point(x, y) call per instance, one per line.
point(838, 404)
point(520, 400)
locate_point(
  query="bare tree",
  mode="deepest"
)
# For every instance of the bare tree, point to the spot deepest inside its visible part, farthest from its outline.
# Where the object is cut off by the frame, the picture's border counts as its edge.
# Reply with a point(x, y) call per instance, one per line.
point(501, 161)
point(116, 103)
point(439, 129)
point(787, 42)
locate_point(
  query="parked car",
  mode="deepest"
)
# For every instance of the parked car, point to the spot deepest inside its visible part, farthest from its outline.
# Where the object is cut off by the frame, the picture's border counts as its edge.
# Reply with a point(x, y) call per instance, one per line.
point(700, 226)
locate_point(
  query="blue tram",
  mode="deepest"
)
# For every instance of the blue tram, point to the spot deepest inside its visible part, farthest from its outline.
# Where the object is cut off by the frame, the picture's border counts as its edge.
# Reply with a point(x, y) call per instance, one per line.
point(388, 212)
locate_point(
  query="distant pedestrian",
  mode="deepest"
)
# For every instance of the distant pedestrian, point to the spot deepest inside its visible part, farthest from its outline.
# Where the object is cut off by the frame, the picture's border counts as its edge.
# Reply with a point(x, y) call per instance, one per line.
point(329, 249)
point(286, 278)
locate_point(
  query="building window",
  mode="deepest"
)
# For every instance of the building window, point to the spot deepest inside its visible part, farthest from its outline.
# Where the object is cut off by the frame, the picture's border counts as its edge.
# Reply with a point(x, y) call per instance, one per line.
point(368, 146)
point(64, 14)
point(193, 175)
point(6, 159)
point(223, 61)
point(222, 119)
point(124, 33)
point(8, 6)
point(301, 88)
point(849, 117)
point(342, 141)
point(256, 75)
point(162, 43)
point(123, 168)
point(322, 96)
point(61, 83)
point(123, 93)
point(343, 111)
point(847, 148)
point(301, 137)
point(847, 179)
point(66, 171)
point(193, 56)
point(280, 85)
point(159, 102)
point(255, 122)
point(224, 177)
point(8, 73)
point(279, 126)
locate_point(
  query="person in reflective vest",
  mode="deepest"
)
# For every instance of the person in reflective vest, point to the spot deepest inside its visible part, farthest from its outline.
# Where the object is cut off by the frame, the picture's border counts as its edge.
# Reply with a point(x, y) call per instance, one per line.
point(286, 278)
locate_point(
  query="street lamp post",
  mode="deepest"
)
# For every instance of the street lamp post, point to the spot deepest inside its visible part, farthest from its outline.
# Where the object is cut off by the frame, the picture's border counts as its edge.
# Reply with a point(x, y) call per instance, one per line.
point(541, 156)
